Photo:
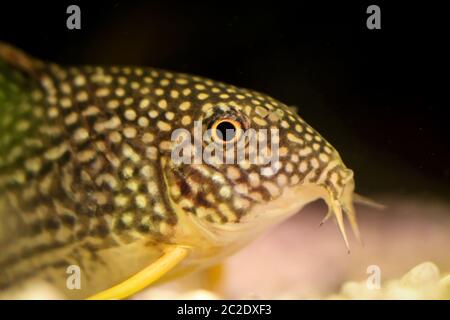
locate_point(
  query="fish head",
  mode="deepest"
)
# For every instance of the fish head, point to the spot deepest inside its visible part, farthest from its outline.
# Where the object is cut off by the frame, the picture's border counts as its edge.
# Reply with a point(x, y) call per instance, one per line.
point(241, 161)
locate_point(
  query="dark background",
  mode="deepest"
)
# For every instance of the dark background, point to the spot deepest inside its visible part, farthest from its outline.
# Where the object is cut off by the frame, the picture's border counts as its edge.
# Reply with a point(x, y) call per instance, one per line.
point(379, 96)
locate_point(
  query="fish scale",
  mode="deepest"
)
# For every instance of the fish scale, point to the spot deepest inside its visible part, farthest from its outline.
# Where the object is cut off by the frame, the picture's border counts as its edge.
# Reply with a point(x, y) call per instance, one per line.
point(87, 175)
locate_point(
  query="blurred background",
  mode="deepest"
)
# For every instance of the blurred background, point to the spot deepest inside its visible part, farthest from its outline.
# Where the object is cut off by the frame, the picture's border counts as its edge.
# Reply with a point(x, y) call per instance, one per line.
point(379, 96)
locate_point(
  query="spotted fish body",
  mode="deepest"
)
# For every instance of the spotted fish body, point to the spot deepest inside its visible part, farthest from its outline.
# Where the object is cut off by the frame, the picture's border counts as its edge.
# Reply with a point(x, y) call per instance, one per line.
point(87, 175)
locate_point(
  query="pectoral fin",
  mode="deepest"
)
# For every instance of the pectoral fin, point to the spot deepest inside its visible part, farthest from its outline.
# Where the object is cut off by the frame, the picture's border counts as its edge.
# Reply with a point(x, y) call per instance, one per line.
point(169, 260)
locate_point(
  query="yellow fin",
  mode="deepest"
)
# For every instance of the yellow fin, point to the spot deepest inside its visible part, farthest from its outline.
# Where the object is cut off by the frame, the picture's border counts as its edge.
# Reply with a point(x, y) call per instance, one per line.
point(170, 259)
point(293, 108)
point(18, 59)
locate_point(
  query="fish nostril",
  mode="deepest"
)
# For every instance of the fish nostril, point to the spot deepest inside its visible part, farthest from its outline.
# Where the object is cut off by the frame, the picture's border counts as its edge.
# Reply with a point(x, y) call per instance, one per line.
point(347, 176)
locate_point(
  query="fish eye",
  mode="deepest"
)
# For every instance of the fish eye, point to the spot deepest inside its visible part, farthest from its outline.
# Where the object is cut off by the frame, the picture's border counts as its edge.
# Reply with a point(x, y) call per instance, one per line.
point(226, 130)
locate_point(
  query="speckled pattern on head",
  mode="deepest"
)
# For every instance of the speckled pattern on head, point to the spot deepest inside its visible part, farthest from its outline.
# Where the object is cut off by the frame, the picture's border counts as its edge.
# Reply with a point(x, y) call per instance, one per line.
point(85, 162)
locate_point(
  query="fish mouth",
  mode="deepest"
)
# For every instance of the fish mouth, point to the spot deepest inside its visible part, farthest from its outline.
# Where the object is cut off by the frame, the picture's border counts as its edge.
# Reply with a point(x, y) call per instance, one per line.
point(291, 202)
